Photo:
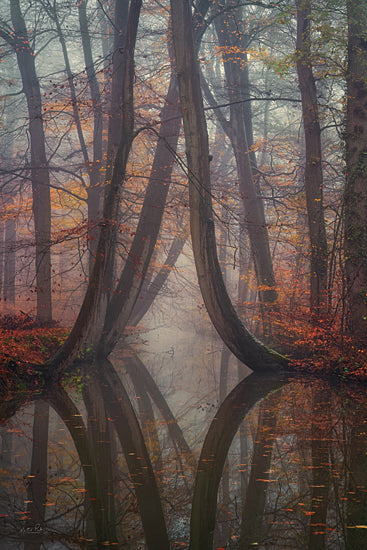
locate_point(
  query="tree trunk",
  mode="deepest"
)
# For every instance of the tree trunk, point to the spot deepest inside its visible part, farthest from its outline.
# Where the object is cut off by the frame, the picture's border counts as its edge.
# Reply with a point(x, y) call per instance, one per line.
point(313, 166)
point(149, 294)
point(90, 308)
point(239, 340)
point(39, 165)
point(355, 197)
point(9, 259)
point(231, 37)
point(95, 168)
point(125, 295)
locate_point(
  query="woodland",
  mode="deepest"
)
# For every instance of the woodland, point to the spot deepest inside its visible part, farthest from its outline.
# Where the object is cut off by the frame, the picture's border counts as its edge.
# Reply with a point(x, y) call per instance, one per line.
point(182, 166)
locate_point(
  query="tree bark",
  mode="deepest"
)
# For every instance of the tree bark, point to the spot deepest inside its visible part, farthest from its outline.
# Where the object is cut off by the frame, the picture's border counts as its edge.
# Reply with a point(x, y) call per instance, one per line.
point(239, 340)
point(95, 168)
point(313, 166)
point(89, 310)
point(230, 37)
point(41, 203)
point(355, 196)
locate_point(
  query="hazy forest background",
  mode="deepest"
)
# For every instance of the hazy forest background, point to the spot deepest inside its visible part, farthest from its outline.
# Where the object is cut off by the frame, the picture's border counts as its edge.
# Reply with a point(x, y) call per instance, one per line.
point(179, 182)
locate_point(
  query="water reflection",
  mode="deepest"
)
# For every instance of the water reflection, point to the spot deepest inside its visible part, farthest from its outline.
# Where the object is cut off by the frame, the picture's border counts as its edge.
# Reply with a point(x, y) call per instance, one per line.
point(103, 462)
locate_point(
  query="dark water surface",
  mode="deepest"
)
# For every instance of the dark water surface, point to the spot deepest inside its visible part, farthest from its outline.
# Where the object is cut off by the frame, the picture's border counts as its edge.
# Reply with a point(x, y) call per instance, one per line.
point(283, 465)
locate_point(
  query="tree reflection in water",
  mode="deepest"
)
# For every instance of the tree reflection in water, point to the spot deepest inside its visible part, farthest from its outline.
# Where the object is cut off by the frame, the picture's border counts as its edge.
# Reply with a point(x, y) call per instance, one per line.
point(120, 471)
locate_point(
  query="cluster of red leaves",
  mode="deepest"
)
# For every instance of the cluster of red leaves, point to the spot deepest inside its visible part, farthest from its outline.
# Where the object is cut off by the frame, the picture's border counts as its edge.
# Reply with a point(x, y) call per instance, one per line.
point(321, 349)
point(23, 339)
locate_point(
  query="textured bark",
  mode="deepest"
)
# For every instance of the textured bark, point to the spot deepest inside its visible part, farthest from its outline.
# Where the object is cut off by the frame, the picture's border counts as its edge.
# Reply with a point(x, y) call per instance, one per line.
point(215, 449)
point(355, 197)
point(41, 204)
point(313, 166)
point(239, 340)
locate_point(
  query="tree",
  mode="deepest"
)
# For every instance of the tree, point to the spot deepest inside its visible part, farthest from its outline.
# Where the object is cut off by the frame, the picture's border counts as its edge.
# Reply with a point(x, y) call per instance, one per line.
point(223, 316)
point(313, 163)
point(19, 41)
point(355, 195)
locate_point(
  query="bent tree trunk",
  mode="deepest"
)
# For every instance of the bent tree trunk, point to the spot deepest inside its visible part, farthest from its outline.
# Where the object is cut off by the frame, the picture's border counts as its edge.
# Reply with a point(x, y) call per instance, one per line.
point(220, 309)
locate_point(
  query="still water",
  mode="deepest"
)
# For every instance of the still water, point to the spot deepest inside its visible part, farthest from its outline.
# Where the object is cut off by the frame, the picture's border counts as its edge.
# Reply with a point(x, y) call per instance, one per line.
point(278, 465)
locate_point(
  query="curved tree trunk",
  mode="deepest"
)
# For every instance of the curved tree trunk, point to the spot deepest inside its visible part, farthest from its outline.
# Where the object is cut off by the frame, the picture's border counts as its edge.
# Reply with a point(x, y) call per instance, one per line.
point(221, 311)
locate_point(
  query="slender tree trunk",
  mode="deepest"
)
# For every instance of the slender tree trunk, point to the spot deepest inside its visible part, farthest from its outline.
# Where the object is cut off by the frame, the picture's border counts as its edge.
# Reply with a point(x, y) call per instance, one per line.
point(90, 308)
point(39, 165)
point(149, 293)
point(355, 196)
point(9, 259)
point(313, 166)
point(231, 36)
point(240, 341)
point(95, 169)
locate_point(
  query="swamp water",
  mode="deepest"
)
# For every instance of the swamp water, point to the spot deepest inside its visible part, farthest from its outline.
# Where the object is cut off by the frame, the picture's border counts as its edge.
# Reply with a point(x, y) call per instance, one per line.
point(279, 465)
